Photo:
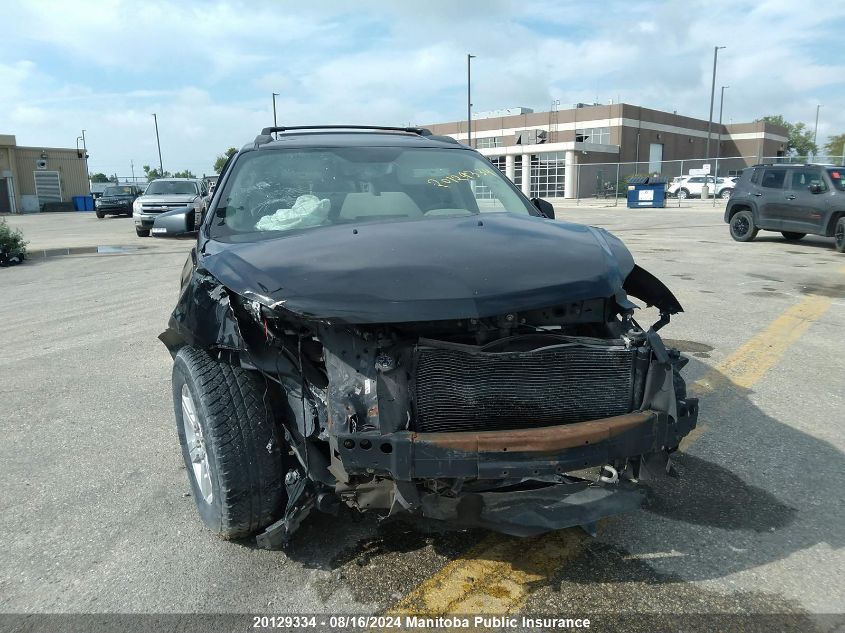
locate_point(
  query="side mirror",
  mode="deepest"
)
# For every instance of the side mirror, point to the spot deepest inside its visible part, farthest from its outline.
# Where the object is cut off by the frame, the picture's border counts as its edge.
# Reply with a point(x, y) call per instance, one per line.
point(815, 188)
point(173, 223)
point(545, 207)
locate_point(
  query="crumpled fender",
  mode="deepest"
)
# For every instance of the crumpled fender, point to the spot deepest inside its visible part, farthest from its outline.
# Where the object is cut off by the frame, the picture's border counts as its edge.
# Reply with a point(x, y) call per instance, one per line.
point(643, 285)
point(203, 317)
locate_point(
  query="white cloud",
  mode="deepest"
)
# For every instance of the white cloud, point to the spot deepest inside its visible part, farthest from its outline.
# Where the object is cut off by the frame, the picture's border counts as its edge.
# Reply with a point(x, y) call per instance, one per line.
point(207, 69)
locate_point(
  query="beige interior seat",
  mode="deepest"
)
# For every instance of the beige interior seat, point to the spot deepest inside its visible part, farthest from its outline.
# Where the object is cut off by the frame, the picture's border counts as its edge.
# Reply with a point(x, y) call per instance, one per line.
point(387, 203)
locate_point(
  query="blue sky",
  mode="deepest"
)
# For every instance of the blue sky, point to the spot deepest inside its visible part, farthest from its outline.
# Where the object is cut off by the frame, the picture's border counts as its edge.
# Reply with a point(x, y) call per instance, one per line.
point(208, 68)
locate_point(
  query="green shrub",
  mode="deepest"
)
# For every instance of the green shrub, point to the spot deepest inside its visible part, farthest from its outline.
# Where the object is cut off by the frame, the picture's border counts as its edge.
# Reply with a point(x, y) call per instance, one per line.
point(11, 240)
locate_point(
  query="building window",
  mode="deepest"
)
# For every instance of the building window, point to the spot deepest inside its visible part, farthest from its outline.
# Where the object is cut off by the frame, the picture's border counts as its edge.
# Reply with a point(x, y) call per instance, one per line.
point(547, 175)
point(517, 172)
point(595, 135)
point(482, 191)
point(486, 142)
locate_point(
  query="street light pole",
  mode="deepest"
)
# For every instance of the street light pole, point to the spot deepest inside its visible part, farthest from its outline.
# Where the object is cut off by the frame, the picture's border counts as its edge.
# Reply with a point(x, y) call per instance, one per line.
point(712, 97)
point(816, 127)
point(275, 94)
point(469, 102)
point(719, 143)
point(158, 143)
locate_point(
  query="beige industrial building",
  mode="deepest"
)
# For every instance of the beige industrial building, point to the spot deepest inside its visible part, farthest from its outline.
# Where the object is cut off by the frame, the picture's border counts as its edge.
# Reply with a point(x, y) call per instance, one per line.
point(32, 177)
point(571, 153)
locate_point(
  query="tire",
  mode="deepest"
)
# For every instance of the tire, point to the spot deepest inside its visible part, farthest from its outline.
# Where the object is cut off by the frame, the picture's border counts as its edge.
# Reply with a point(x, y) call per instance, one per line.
point(742, 226)
point(239, 461)
point(839, 235)
point(683, 194)
point(142, 232)
point(792, 237)
point(726, 193)
point(100, 215)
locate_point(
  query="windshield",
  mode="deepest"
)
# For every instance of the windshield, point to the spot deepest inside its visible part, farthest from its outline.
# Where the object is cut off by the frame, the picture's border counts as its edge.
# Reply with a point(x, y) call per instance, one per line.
point(273, 191)
point(170, 187)
point(838, 177)
point(118, 191)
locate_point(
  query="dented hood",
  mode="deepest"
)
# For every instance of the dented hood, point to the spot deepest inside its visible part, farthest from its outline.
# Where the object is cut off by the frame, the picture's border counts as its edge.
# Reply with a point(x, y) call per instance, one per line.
point(431, 269)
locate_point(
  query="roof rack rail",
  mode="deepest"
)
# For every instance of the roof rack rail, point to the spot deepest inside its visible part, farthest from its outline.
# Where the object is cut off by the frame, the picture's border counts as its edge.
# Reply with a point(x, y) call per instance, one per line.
point(265, 136)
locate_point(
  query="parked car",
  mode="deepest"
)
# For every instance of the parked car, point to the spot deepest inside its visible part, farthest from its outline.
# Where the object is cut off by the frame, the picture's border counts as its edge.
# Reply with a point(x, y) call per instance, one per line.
point(116, 200)
point(793, 199)
point(378, 318)
point(692, 186)
point(168, 194)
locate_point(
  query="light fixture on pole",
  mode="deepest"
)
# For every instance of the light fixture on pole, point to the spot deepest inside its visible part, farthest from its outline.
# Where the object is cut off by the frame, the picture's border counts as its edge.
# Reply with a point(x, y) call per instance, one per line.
point(158, 143)
point(469, 102)
point(712, 97)
point(275, 94)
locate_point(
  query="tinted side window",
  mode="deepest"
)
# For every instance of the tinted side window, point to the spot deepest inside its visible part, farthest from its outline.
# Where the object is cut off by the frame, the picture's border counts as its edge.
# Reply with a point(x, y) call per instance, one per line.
point(803, 178)
point(755, 176)
point(696, 179)
point(773, 178)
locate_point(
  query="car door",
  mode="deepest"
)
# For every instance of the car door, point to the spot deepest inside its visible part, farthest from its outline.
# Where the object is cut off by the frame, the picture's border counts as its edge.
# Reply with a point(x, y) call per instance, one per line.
point(694, 185)
point(769, 197)
point(803, 209)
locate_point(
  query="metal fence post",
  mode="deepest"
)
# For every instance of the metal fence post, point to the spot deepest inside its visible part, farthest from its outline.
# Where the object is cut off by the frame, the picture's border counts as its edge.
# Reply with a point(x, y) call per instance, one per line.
point(616, 187)
point(682, 173)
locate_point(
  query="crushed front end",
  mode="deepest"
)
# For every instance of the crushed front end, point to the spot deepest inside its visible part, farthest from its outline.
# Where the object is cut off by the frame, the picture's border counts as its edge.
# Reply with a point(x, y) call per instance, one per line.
point(522, 422)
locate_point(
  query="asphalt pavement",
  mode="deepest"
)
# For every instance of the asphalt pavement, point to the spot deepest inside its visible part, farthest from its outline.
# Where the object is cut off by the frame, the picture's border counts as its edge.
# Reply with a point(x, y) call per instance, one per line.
point(95, 515)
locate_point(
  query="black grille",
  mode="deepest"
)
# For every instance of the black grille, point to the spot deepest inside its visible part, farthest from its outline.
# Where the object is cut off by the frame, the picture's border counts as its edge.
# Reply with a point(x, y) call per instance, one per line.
point(462, 391)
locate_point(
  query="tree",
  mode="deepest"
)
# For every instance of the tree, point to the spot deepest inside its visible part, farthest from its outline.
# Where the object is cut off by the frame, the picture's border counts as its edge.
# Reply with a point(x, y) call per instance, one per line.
point(835, 146)
point(221, 160)
point(154, 173)
point(800, 138)
point(184, 174)
point(98, 177)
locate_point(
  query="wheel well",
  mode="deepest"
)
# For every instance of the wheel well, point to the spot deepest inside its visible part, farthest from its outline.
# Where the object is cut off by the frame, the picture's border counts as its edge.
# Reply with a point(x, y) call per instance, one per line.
point(834, 218)
point(737, 208)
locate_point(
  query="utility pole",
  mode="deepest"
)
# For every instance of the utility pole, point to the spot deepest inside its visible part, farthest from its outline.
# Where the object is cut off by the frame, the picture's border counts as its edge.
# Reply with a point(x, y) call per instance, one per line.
point(275, 94)
point(469, 102)
point(158, 143)
point(816, 127)
point(132, 167)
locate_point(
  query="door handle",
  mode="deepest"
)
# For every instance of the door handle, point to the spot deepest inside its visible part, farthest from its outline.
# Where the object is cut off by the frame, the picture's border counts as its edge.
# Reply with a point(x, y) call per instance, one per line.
point(790, 197)
point(758, 194)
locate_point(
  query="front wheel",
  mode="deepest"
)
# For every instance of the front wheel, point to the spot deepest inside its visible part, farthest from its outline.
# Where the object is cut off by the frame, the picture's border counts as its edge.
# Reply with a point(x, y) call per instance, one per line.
point(839, 235)
point(234, 455)
point(683, 194)
point(792, 237)
point(100, 215)
point(142, 232)
point(742, 226)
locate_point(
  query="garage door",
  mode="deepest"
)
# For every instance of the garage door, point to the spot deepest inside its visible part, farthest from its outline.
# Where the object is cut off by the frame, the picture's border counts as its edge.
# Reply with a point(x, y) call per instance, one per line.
point(48, 187)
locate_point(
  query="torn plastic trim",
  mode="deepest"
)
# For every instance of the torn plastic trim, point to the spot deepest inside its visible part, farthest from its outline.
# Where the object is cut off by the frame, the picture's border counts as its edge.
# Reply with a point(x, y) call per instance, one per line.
point(643, 285)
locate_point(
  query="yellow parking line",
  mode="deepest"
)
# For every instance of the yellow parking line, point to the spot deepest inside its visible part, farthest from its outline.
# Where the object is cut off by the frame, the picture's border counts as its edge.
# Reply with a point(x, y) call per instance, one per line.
point(496, 576)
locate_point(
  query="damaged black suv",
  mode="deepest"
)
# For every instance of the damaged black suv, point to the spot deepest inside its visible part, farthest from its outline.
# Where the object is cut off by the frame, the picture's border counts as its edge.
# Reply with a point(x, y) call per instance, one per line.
point(377, 318)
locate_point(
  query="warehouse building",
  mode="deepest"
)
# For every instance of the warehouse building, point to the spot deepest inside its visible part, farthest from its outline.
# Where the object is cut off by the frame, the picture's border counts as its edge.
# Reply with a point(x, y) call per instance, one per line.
point(572, 153)
point(33, 179)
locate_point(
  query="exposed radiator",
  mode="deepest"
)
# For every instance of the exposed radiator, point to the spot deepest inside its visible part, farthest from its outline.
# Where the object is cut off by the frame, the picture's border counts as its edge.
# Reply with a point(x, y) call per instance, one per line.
point(456, 390)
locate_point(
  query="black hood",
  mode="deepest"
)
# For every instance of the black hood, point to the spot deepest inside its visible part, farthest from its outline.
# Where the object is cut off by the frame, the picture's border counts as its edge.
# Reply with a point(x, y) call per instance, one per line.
point(430, 269)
